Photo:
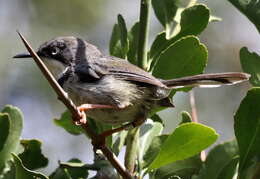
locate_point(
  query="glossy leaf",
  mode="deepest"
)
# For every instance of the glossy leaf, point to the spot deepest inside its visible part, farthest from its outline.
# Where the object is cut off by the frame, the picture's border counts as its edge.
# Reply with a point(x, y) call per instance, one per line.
point(165, 11)
point(23, 173)
point(114, 45)
point(66, 123)
point(193, 21)
point(123, 33)
point(133, 36)
point(74, 168)
point(250, 8)
point(148, 131)
point(247, 130)
point(186, 140)
point(4, 129)
point(153, 149)
point(185, 57)
point(12, 139)
point(250, 63)
point(229, 171)
point(32, 156)
point(119, 43)
point(186, 117)
point(184, 169)
point(218, 160)
point(119, 142)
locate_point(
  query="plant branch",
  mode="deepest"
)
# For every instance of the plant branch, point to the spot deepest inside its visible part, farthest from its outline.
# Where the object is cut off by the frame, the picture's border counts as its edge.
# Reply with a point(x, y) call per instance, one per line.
point(194, 117)
point(132, 141)
point(194, 114)
point(62, 95)
point(133, 134)
point(143, 33)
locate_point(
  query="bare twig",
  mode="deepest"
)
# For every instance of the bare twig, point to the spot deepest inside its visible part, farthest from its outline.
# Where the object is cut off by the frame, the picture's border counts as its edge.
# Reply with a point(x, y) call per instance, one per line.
point(194, 117)
point(194, 114)
point(72, 108)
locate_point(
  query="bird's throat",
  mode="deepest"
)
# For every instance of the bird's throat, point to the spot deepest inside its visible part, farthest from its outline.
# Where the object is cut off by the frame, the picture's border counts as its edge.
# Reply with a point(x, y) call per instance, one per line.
point(56, 68)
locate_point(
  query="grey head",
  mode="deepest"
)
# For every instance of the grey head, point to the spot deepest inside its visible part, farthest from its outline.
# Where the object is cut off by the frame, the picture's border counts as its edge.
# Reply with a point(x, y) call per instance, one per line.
point(62, 52)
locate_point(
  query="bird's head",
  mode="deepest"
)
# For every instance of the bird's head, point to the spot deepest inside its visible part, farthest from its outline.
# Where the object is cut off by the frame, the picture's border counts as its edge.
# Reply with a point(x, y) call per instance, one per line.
point(62, 52)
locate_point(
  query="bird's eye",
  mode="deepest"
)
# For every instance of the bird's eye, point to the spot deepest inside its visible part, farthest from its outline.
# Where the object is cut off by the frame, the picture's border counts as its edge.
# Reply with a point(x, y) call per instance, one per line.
point(55, 51)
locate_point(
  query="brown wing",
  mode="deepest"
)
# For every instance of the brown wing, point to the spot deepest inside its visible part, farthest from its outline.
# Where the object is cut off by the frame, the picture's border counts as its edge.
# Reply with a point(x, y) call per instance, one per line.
point(123, 69)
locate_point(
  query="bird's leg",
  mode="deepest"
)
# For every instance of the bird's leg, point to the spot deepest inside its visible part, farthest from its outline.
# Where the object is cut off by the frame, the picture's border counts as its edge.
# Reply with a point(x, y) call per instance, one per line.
point(84, 107)
point(102, 137)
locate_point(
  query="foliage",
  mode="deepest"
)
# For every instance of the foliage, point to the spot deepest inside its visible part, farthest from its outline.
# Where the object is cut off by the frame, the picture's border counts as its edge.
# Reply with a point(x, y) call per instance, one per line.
point(175, 52)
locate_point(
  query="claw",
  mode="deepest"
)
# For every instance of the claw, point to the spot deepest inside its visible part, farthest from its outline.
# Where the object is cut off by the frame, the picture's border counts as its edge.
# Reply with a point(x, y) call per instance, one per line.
point(84, 107)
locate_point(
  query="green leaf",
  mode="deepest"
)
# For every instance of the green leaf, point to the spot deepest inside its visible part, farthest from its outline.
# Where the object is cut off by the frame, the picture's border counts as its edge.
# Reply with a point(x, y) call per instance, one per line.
point(250, 8)
point(23, 173)
point(114, 45)
point(9, 171)
point(185, 57)
point(247, 129)
point(193, 21)
point(119, 142)
point(165, 11)
point(153, 149)
point(159, 44)
point(15, 128)
point(251, 64)
point(148, 131)
point(157, 118)
point(229, 170)
point(185, 117)
point(218, 160)
point(123, 33)
point(119, 43)
point(186, 141)
point(184, 169)
point(133, 36)
point(73, 169)
point(4, 129)
point(66, 123)
point(99, 128)
point(32, 156)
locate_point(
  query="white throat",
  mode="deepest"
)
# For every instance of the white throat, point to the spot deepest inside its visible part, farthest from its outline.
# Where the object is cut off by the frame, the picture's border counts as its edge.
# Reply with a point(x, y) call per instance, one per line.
point(56, 68)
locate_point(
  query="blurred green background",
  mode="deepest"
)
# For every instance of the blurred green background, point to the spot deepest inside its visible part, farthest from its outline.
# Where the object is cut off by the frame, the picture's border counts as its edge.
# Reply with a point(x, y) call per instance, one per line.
point(22, 85)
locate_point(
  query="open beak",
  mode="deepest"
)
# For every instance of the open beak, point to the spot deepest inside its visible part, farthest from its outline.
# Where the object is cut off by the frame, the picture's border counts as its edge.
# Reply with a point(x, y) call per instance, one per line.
point(23, 55)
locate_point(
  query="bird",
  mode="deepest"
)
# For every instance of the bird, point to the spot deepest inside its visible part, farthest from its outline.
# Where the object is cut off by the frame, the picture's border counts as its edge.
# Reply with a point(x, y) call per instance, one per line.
point(110, 89)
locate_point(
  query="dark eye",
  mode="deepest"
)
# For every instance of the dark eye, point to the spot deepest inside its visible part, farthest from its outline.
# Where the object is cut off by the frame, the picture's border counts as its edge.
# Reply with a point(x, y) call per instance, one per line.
point(55, 51)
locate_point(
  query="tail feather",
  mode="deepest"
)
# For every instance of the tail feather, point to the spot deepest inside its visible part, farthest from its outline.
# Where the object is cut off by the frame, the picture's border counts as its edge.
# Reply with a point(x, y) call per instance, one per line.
point(207, 80)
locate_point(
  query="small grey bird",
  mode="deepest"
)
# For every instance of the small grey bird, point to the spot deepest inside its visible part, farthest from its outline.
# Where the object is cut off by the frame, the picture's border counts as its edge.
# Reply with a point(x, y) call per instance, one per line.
point(113, 90)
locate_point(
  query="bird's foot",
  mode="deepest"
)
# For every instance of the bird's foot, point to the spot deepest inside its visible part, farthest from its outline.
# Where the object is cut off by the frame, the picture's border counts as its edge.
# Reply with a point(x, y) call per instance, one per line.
point(85, 107)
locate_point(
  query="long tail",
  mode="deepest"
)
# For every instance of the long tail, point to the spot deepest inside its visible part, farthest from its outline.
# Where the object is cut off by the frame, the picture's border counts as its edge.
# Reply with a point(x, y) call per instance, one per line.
point(207, 80)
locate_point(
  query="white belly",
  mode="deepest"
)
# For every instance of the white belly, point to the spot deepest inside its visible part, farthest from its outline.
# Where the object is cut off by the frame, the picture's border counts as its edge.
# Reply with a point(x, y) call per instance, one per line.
point(124, 96)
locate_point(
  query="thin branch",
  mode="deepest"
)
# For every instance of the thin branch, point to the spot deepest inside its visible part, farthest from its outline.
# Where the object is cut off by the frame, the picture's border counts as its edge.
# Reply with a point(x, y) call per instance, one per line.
point(72, 108)
point(133, 134)
point(194, 114)
point(194, 117)
point(143, 33)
